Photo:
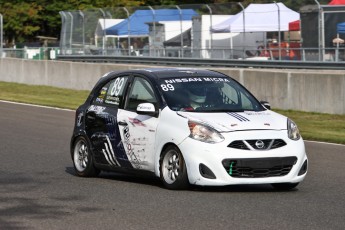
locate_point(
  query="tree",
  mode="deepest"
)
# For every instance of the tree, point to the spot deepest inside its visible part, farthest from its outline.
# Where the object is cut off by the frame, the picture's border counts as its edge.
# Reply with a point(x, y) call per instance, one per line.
point(20, 20)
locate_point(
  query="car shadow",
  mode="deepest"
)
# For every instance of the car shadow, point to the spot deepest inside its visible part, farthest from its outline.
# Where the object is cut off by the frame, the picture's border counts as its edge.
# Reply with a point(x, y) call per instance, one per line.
point(150, 179)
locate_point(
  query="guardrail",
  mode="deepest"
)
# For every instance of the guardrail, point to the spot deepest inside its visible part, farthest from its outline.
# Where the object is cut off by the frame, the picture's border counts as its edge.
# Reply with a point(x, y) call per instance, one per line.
point(204, 62)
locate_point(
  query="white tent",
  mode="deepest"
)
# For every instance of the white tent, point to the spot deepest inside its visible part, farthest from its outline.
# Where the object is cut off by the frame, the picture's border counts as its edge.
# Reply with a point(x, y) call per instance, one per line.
point(102, 25)
point(259, 18)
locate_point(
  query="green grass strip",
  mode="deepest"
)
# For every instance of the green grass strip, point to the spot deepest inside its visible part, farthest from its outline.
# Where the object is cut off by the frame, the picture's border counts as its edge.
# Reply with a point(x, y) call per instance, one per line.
point(313, 126)
point(42, 95)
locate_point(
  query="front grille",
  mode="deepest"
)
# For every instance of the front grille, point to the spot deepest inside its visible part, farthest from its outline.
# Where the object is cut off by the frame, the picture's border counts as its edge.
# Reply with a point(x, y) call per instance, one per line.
point(259, 167)
point(238, 145)
point(278, 143)
point(265, 144)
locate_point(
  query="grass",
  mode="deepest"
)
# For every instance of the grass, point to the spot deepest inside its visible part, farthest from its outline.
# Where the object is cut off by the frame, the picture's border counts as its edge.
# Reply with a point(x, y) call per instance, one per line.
point(318, 126)
point(313, 126)
point(42, 95)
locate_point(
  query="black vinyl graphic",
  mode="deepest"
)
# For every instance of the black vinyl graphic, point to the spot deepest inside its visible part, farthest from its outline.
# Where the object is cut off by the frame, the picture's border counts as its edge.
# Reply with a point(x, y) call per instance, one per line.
point(238, 117)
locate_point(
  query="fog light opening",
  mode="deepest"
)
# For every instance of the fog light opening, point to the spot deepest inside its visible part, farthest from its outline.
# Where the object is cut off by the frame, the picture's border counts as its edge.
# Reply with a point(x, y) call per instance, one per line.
point(304, 168)
point(206, 172)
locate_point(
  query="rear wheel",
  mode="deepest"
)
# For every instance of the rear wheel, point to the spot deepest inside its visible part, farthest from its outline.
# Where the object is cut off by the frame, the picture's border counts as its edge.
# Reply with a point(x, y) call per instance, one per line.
point(173, 171)
point(284, 186)
point(82, 159)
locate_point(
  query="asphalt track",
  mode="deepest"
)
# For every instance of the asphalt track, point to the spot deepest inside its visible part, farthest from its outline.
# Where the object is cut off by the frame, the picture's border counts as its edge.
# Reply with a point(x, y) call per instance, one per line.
point(39, 190)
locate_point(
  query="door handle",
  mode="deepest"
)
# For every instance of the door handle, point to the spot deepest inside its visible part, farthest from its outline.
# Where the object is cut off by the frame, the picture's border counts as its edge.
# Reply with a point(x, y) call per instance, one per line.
point(91, 117)
point(122, 123)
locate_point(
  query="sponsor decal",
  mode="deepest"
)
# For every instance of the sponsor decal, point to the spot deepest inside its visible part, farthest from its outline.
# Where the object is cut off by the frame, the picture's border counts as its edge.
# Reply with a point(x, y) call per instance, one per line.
point(250, 113)
point(96, 108)
point(136, 122)
point(184, 80)
point(112, 100)
point(130, 152)
point(99, 100)
point(169, 87)
point(144, 107)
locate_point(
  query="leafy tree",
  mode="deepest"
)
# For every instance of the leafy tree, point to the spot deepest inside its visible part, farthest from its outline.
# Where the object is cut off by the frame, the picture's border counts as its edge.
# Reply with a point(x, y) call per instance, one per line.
point(20, 19)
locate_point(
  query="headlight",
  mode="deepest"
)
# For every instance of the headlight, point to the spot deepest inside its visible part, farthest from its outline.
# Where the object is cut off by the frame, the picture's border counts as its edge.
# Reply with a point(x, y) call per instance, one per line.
point(204, 133)
point(293, 132)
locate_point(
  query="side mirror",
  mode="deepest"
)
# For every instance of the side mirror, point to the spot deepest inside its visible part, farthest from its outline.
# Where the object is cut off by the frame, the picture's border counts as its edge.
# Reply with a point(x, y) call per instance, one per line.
point(266, 104)
point(147, 109)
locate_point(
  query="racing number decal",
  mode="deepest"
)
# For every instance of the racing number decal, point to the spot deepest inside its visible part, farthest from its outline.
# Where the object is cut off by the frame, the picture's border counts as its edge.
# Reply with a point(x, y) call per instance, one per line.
point(117, 87)
point(167, 87)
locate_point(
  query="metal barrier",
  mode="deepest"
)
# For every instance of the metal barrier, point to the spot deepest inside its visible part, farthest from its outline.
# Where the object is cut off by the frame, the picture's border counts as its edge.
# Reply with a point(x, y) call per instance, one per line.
point(35, 53)
point(249, 53)
point(192, 62)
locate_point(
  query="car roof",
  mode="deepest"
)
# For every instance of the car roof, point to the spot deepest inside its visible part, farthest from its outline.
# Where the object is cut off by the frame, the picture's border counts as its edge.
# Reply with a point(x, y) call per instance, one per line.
point(181, 72)
point(162, 73)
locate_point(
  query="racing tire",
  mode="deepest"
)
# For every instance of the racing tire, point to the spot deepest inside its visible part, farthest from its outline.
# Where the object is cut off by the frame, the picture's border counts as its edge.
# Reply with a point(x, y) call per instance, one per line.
point(173, 171)
point(284, 186)
point(82, 158)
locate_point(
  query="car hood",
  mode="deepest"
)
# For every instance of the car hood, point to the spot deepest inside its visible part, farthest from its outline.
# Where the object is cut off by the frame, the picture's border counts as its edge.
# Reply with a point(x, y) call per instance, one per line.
point(238, 121)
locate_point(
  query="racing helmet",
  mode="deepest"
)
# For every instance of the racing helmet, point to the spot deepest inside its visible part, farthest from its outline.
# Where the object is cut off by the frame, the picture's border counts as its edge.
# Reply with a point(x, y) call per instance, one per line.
point(197, 95)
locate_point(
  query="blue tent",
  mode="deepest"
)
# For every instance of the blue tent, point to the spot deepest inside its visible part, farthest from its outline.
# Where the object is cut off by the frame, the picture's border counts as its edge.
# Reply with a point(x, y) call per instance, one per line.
point(341, 28)
point(138, 20)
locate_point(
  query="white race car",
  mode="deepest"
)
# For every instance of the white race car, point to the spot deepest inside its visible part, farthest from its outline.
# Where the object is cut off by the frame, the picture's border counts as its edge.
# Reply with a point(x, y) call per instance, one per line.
point(186, 126)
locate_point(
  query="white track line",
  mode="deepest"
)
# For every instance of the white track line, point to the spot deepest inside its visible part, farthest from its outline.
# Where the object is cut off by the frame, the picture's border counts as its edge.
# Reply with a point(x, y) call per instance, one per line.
point(326, 143)
point(39, 106)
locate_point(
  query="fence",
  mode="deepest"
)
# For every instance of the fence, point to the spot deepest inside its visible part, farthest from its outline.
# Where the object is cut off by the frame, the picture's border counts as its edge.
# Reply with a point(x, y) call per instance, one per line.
point(1, 36)
point(176, 31)
point(188, 31)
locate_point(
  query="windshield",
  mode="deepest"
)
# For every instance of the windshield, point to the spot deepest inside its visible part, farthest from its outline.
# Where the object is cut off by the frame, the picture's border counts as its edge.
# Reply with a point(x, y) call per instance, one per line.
point(207, 94)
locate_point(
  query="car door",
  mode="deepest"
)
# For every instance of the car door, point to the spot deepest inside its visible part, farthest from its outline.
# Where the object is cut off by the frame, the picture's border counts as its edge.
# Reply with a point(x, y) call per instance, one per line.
point(138, 132)
point(101, 124)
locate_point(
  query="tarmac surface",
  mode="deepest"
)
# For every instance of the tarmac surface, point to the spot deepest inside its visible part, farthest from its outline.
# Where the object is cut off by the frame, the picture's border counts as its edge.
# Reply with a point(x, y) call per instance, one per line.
point(39, 189)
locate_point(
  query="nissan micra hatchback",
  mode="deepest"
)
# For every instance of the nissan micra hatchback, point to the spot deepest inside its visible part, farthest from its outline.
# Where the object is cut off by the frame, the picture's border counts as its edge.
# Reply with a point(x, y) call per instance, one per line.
point(186, 126)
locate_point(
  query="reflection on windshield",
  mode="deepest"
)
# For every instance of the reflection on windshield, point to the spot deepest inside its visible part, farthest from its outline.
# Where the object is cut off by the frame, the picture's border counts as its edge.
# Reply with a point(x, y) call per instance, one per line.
point(202, 94)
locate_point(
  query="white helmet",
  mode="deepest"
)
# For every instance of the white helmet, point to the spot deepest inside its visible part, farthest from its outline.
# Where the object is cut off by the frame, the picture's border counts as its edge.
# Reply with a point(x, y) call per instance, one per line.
point(197, 95)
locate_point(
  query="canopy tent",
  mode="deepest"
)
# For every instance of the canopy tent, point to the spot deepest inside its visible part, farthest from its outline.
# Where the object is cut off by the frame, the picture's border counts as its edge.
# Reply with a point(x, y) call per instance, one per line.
point(104, 24)
point(295, 25)
point(337, 2)
point(341, 28)
point(176, 41)
point(259, 18)
point(136, 25)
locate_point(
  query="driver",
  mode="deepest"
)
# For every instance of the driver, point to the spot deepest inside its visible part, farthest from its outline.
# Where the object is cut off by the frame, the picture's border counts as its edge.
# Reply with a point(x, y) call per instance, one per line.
point(197, 97)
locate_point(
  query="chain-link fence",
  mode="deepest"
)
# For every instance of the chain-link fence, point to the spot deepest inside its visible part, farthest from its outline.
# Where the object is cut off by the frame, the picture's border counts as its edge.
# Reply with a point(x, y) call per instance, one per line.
point(179, 31)
point(1, 36)
point(217, 31)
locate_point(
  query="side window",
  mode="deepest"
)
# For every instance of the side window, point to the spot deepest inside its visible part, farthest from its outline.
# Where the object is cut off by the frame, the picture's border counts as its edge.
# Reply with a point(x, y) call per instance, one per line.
point(101, 94)
point(246, 103)
point(112, 92)
point(115, 91)
point(233, 96)
point(230, 95)
point(141, 92)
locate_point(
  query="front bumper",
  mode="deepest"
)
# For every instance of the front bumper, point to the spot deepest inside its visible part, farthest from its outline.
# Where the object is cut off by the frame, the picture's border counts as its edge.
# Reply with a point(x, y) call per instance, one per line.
point(218, 164)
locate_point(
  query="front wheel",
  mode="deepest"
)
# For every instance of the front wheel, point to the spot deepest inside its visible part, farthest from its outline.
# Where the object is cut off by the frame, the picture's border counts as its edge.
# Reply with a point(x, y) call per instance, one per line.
point(284, 186)
point(173, 171)
point(82, 158)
